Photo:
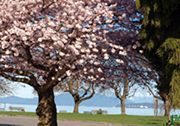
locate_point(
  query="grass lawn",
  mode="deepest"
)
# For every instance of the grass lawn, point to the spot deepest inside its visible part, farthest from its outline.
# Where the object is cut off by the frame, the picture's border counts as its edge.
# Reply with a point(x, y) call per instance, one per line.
point(122, 119)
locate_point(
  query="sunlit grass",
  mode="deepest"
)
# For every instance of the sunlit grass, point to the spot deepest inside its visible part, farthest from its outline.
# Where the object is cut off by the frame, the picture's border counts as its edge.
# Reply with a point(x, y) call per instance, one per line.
point(122, 119)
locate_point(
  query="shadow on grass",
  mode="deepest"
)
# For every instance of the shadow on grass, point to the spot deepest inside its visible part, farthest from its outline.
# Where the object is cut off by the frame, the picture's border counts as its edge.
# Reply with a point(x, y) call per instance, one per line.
point(8, 125)
point(153, 123)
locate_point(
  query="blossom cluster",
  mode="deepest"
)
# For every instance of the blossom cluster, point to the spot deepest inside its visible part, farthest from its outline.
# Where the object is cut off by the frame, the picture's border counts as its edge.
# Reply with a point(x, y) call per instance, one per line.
point(71, 37)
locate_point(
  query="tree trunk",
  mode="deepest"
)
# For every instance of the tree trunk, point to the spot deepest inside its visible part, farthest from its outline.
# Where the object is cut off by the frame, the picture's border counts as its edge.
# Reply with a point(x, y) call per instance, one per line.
point(123, 107)
point(76, 107)
point(46, 109)
point(167, 104)
point(167, 108)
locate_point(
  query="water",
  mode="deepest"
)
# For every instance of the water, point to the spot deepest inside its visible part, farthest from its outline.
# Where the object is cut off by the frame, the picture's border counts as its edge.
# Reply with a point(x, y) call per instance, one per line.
point(111, 110)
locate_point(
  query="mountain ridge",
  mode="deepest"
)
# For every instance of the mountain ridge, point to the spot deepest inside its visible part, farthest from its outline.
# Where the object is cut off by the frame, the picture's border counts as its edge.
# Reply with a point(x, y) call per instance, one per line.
point(67, 100)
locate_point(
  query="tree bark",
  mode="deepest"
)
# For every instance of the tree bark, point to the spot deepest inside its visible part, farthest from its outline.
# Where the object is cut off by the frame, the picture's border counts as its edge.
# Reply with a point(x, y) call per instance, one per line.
point(76, 107)
point(167, 108)
point(167, 104)
point(123, 98)
point(123, 107)
point(46, 109)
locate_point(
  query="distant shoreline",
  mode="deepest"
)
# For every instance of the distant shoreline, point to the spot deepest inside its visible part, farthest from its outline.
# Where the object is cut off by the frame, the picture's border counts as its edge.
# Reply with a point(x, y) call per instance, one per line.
point(96, 101)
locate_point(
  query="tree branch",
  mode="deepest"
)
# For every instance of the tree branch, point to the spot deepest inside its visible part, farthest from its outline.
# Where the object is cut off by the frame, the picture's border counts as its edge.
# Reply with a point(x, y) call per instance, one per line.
point(92, 94)
point(152, 92)
point(31, 81)
point(117, 93)
point(58, 74)
point(30, 60)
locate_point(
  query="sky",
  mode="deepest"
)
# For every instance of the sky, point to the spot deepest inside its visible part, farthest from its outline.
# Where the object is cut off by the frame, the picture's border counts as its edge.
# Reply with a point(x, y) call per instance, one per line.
point(23, 91)
point(26, 91)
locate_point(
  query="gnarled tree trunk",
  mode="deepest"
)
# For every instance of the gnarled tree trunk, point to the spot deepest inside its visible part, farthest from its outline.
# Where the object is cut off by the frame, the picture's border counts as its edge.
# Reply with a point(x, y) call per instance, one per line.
point(46, 109)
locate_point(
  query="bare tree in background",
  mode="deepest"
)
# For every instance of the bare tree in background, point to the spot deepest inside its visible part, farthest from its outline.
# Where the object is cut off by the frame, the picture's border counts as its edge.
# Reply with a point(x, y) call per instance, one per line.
point(5, 87)
point(123, 90)
point(79, 90)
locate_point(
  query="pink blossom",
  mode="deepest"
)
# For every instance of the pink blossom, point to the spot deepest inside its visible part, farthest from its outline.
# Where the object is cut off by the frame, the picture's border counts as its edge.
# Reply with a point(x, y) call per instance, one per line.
point(119, 61)
point(100, 70)
point(52, 39)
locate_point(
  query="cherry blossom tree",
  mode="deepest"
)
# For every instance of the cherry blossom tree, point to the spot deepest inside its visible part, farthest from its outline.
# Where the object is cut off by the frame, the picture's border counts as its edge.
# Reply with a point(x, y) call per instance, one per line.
point(130, 78)
point(134, 69)
point(42, 42)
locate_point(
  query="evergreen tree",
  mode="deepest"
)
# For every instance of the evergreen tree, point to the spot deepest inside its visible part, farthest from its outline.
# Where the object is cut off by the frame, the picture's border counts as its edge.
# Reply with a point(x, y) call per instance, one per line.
point(160, 38)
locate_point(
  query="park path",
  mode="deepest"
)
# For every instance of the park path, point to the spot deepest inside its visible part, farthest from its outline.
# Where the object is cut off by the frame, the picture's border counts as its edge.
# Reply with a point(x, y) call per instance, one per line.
point(32, 121)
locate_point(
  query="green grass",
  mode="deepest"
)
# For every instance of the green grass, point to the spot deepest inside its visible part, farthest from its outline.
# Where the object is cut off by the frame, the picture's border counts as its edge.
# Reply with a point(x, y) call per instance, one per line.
point(18, 113)
point(122, 119)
